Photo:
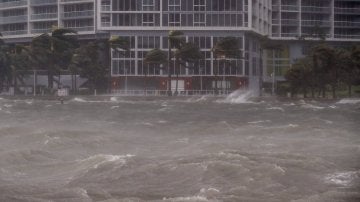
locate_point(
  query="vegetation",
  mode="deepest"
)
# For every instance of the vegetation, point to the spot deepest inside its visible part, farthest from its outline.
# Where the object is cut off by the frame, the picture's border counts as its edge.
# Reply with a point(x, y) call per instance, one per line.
point(325, 67)
point(225, 49)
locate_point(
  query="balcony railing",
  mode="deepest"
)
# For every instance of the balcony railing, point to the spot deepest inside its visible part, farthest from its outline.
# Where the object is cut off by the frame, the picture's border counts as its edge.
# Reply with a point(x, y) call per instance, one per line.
point(289, 34)
point(347, 24)
point(13, 4)
point(346, 36)
point(105, 8)
point(13, 19)
point(77, 14)
point(313, 9)
point(289, 8)
point(347, 10)
point(313, 23)
point(82, 29)
point(40, 31)
point(44, 16)
point(42, 2)
point(76, 0)
point(105, 24)
point(291, 22)
point(16, 32)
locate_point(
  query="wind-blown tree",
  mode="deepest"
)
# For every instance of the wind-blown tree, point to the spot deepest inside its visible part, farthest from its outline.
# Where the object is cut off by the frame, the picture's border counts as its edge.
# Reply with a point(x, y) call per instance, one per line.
point(327, 63)
point(300, 76)
point(271, 46)
point(175, 40)
point(87, 63)
point(155, 57)
point(4, 64)
point(225, 49)
point(53, 51)
point(187, 54)
point(349, 61)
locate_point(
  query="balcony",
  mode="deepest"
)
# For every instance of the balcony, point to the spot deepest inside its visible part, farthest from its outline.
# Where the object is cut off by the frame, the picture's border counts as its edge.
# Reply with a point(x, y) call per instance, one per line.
point(312, 23)
point(347, 24)
point(290, 22)
point(82, 29)
point(293, 8)
point(16, 32)
point(40, 31)
point(314, 9)
point(346, 36)
point(13, 4)
point(13, 19)
point(78, 14)
point(105, 8)
point(289, 34)
point(42, 2)
point(44, 16)
point(355, 11)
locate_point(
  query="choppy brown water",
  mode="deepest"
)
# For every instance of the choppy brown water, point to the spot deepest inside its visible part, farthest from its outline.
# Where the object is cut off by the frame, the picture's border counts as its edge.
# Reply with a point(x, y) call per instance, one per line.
point(182, 149)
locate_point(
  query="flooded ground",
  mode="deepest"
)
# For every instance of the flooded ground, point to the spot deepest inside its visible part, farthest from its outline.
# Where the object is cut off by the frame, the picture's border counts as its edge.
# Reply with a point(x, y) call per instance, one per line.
point(180, 149)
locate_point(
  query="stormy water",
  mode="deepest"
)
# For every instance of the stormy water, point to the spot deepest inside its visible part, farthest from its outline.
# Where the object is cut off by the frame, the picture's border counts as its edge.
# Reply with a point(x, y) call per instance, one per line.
point(179, 149)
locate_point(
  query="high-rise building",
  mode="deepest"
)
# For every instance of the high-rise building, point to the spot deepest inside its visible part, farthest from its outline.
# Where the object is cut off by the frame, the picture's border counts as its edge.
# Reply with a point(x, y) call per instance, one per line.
point(146, 24)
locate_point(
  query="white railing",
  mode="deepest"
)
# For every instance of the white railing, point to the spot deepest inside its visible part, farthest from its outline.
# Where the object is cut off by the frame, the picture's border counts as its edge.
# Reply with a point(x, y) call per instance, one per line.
point(88, 13)
point(315, 22)
point(289, 7)
point(347, 10)
point(346, 36)
point(44, 16)
point(81, 29)
point(38, 31)
point(16, 32)
point(13, 4)
point(13, 19)
point(293, 22)
point(220, 92)
point(40, 2)
point(289, 34)
point(347, 24)
point(315, 9)
point(105, 8)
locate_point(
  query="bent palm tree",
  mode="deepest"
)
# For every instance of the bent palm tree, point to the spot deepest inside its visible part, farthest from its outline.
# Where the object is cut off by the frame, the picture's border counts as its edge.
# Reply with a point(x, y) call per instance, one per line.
point(54, 51)
point(226, 48)
point(154, 57)
point(175, 40)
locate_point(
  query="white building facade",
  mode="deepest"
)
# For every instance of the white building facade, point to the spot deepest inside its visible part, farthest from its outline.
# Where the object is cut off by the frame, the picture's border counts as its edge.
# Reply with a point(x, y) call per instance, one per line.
point(146, 23)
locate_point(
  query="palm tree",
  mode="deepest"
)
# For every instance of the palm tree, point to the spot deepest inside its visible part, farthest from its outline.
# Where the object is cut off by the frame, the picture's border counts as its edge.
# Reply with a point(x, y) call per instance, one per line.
point(187, 54)
point(53, 51)
point(299, 75)
point(226, 48)
point(120, 46)
point(154, 57)
point(175, 40)
point(267, 44)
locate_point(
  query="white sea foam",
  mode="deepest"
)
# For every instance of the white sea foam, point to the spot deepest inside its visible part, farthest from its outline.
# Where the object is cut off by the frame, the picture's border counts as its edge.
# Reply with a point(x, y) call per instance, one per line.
point(348, 101)
point(113, 99)
point(276, 108)
point(79, 100)
point(115, 107)
point(342, 178)
point(261, 121)
point(313, 107)
point(238, 97)
point(7, 105)
point(99, 159)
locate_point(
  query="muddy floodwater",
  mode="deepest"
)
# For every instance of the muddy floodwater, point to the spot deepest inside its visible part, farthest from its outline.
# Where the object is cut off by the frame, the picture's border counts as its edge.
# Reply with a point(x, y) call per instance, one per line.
point(113, 149)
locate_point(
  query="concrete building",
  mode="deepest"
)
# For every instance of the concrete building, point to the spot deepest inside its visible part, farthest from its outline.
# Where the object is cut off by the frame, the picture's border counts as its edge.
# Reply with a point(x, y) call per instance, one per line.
point(146, 23)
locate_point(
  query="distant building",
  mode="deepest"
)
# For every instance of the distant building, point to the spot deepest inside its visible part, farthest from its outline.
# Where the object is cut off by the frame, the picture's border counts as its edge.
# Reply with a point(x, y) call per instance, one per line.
point(146, 24)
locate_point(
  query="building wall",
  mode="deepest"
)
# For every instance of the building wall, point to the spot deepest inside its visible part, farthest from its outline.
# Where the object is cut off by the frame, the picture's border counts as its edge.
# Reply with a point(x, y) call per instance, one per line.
point(146, 23)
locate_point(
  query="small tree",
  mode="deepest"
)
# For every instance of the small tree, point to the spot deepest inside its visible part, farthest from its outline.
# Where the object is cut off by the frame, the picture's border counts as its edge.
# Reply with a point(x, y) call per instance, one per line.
point(175, 40)
point(154, 57)
point(226, 48)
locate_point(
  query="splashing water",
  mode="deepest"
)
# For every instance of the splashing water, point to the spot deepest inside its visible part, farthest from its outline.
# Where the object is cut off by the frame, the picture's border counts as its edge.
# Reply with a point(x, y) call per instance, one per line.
point(238, 97)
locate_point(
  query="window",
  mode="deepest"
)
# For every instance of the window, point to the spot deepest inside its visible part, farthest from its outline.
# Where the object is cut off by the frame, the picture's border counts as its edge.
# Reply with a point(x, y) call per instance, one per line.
point(174, 5)
point(147, 5)
point(148, 19)
point(199, 5)
point(199, 19)
point(174, 19)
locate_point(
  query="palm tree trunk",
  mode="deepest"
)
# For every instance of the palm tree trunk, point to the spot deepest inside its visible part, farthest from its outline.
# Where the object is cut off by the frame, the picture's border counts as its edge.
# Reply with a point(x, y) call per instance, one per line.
point(169, 69)
point(177, 75)
point(349, 89)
